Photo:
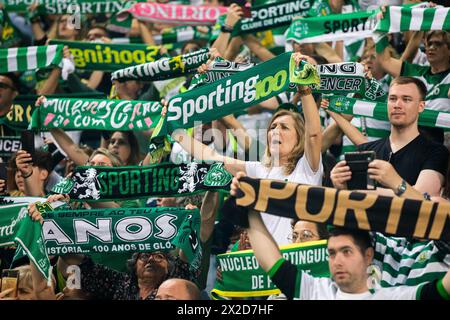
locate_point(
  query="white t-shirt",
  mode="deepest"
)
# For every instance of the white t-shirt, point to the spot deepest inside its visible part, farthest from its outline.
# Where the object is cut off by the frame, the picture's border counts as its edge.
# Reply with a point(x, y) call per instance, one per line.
point(312, 288)
point(280, 227)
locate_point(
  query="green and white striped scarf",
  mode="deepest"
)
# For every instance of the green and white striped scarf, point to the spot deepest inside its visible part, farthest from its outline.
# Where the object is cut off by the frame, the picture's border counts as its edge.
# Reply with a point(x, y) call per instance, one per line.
point(30, 58)
point(408, 262)
point(379, 111)
point(404, 18)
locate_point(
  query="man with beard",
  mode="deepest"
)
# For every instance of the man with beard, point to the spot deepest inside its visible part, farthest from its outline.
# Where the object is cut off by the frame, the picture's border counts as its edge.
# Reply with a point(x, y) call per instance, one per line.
point(146, 273)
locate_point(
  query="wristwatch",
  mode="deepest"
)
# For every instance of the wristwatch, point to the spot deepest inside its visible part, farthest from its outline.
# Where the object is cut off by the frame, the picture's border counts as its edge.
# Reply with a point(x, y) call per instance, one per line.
point(226, 29)
point(401, 188)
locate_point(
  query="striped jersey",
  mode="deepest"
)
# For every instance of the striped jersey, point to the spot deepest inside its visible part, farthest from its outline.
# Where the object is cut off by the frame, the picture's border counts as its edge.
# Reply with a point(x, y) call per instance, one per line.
point(408, 263)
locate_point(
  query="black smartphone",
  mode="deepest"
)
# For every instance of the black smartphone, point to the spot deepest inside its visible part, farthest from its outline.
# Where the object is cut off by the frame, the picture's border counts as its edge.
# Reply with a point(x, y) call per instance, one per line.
point(27, 139)
point(359, 163)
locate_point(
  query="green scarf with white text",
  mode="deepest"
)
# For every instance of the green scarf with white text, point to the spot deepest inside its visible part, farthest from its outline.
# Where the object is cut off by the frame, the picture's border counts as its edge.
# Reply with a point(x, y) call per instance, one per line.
point(333, 27)
point(81, 114)
point(118, 230)
point(235, 93)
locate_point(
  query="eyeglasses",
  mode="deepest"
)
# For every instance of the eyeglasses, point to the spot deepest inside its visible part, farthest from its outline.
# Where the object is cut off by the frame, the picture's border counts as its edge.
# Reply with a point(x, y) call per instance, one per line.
point(303, 236)
point(158, 257)
point(6, 86)
point(95, 35)
point(436, 44)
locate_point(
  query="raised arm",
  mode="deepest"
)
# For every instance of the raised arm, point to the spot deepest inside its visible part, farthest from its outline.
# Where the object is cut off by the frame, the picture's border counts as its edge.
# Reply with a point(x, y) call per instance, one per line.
point(412, 47)
point(208, 211)
point(355, 136)
point(202, 152)
point(329, 135)
point(73, 151)
point(233, 16)
point(257, 48)
point(238, 130)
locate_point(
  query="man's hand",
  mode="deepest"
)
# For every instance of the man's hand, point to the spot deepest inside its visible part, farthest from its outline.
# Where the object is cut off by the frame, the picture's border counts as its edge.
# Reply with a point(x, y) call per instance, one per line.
point(235, 184)
point(340, 174)
point(24, 163)
point(384, 173)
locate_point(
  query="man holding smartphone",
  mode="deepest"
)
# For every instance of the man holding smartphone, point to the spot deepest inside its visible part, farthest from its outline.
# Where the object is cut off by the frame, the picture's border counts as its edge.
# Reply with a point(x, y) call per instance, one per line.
point(406, 158)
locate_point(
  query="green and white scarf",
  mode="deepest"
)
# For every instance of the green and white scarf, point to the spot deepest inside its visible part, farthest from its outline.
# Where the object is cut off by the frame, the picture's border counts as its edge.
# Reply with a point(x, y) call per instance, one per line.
point(406, 18)
point(379, 111)
point(109, 57)
point(235, 93)
point(119, 230)
point(270, 16)
point(19, 117)
point(30, 58)
point(134, 182)
point(165, 68)
point(82, 114)
point(333, 27)
point(10, 36)
point(64, 6)
point(243, 277)
point(17, 228)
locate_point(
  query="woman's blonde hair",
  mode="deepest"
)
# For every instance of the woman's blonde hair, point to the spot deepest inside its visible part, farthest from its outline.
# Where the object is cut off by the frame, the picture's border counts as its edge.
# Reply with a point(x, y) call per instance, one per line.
point(297, 151)
point(115, 160)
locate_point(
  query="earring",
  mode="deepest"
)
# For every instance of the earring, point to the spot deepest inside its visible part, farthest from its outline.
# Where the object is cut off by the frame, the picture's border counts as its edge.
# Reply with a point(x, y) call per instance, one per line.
point(374, 278)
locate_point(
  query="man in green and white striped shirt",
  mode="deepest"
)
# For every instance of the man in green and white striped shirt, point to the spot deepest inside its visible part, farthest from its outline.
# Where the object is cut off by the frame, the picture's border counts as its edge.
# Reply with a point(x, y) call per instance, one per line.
point(435, 77)
point(409, 262)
